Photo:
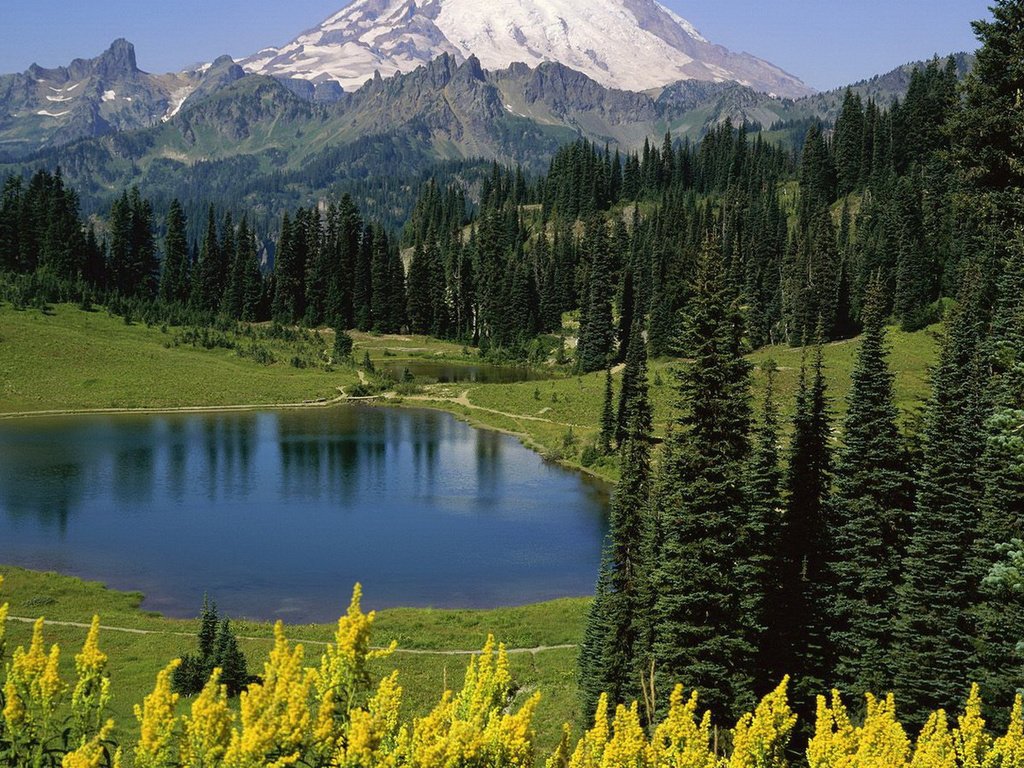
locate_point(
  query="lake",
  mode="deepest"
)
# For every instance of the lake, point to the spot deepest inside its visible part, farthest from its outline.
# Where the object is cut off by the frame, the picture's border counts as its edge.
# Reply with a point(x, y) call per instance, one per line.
point(278, 514)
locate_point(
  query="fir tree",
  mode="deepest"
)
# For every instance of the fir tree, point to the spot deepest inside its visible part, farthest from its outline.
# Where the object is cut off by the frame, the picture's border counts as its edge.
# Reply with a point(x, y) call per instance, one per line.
point(871, 506)
point(701, 634)
point(228, 657)
point(634, 379)
point(795, 608)
point(936, 630)
point(1000, 612)
point(597, 333)
point(607, 437)
point(766, 504)
point(616, 649)
point(989, 126)
point(174, 283)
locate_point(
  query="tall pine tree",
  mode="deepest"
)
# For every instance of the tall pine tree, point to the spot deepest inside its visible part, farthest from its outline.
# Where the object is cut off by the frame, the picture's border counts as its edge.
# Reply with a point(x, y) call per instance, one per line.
point(701, 634)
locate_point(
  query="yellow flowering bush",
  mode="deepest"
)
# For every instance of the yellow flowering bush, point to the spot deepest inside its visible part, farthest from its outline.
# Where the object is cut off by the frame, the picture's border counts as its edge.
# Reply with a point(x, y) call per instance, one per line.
point(4, 608)
point(93, 752)
point(473, 729)
point(329, 716)
point(276, 718)
point(681, 740)
point(206, 731)
point(33, 693)
point(157, 723)
point(92, 689)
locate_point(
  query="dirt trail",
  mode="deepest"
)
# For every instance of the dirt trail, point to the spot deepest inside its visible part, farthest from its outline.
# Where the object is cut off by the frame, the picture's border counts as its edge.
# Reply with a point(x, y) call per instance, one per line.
point(165, 633)
point(464, 401)
point(321, 403)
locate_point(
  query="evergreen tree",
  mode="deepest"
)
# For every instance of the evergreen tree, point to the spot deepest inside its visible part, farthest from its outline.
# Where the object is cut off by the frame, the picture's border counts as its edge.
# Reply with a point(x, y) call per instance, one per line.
point(207, 289)
point(174, 284)
point(796, 608)
point(208, 623)
point(701, 634)
point(936, 630)
point(616, 648)
point(1000, 611)
point(634, 379)
point(597, 333)
point(607, 437)
point(848, 143)
point(228, 657)
point(871, 506)
point(767, 509)
point(988, 128)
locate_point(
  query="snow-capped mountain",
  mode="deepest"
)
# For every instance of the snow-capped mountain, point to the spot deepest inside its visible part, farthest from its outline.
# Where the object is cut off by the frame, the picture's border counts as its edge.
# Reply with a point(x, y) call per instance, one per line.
point(633, 45)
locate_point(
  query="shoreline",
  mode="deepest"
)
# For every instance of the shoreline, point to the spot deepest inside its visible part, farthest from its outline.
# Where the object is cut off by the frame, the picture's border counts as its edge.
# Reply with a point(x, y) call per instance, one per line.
point(376, 401)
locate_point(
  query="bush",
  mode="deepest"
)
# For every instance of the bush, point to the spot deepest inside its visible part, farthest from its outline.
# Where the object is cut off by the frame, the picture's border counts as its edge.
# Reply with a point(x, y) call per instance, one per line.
point(342, 346)
point(589, 456)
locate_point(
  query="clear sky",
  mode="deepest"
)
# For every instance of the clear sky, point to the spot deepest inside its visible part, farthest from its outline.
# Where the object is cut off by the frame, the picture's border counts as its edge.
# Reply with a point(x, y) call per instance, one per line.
point(827, 43)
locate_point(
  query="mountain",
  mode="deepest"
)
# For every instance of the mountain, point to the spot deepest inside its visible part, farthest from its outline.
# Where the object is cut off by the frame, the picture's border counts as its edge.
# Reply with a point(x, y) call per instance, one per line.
point(42, 108)
point(271, 144)
point(633, 45)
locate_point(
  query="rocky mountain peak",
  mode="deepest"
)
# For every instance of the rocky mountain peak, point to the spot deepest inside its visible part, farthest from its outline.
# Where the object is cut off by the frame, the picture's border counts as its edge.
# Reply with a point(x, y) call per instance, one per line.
point(633, 45)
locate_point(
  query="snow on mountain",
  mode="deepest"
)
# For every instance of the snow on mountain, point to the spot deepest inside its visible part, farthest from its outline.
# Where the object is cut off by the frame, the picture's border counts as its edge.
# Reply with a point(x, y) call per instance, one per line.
point(632, 45)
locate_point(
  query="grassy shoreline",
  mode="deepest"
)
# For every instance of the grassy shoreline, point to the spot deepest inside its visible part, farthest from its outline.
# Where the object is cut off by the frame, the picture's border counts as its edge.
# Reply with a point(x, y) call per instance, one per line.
point(67, 361)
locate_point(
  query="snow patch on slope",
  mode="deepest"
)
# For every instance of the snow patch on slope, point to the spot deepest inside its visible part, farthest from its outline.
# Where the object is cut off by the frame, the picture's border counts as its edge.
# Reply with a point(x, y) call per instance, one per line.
point(628, 44)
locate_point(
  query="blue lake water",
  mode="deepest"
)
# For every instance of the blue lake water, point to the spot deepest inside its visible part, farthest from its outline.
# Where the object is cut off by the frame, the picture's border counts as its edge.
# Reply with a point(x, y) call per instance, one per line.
point(278, 514)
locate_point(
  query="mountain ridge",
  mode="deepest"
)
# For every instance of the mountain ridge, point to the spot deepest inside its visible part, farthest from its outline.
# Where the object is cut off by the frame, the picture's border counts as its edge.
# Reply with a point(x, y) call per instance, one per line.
point(626, 44)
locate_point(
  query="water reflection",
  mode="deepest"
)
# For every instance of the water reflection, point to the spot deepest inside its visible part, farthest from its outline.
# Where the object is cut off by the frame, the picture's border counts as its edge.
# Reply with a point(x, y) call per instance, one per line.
point(279, 513)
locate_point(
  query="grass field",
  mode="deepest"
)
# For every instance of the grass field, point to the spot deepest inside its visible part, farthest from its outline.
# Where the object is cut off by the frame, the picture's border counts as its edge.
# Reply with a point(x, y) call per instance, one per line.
point(136, 658)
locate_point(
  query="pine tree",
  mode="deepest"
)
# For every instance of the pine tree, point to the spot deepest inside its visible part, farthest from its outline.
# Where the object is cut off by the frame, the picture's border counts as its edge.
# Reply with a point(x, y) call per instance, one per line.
point(1000, 611)
point(767, 510)
point(634, 379)
point(228, 657)
point(870, 510)
point(208, 623)
point(616, 647)
point(206, 286)
point(848, 143)
point(701, 635)
point(795, 609)
point(607, 437)
point(597, 332)
point(936, 631)
point(174, 283)
point(988, 128)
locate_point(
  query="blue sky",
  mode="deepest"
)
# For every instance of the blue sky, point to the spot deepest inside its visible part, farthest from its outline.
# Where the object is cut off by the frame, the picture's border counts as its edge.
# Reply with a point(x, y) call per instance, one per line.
point(827, 43)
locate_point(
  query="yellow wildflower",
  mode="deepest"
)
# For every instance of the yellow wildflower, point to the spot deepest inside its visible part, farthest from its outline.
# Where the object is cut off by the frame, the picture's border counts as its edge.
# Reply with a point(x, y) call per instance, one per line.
point(1008, 750)
point(276, 716)
point(92, 691)
point(835, 739)
point(680, 740)
point(628, 746)
point(934, 748)
point(560, 757)
point(91, 754)
point(882, 741)
point(760, 739)
point(590, 750)
point(206, 731)
point(971, 740)
point(343, 681)
point(157, 721)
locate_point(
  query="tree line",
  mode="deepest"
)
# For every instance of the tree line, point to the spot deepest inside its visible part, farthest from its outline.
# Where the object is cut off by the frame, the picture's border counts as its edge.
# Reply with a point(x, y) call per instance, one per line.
point(870, 563)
